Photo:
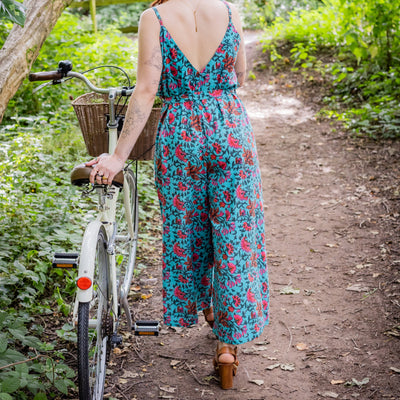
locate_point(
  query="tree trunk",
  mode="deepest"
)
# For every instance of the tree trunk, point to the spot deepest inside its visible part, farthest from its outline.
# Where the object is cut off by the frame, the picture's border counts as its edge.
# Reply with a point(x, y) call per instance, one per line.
point(23, 45)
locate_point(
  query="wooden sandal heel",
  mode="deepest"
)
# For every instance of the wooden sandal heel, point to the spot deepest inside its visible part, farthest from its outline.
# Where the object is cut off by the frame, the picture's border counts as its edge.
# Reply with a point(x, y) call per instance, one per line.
point(209, 316)
point(226, 371)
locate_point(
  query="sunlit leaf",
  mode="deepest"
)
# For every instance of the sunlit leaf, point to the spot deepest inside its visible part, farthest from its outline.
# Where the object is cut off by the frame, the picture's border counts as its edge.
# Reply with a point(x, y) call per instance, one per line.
point(13, 11)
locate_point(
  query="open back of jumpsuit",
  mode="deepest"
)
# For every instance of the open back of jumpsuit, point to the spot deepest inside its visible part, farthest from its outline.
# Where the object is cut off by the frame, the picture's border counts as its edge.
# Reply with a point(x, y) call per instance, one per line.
point(209, 186)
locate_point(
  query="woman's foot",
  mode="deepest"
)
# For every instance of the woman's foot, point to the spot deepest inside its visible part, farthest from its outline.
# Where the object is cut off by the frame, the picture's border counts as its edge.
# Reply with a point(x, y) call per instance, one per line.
point(226, 363)
point(209, 316)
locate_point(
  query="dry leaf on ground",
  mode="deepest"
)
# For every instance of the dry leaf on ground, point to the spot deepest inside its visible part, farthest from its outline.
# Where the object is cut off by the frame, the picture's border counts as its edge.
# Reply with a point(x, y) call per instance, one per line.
point(258, 382)
point(168, 389)
point(301, 346)
point(337, 382)
point(357, 287)
point(331, 395)
point(273, 366)
point(289, 290)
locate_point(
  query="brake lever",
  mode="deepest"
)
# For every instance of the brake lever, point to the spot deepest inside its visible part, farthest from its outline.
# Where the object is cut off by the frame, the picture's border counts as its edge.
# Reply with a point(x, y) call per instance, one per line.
point(57, 82)
point(37, 88)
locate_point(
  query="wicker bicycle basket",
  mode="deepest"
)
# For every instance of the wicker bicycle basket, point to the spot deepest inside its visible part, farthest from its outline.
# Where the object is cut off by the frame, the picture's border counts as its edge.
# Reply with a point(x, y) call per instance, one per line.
point(92, 110)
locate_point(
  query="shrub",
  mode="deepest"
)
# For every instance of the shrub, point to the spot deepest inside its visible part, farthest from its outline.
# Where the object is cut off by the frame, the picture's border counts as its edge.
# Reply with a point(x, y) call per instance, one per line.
point(362, 37)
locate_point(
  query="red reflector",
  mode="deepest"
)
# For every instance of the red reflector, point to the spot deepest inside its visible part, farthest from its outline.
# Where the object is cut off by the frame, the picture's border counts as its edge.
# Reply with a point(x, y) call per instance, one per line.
point(84, 283)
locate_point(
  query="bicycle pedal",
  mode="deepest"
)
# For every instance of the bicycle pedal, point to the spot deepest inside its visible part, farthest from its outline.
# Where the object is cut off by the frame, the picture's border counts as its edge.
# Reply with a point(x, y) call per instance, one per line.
point(116, 340)
point(146, 328)
point(65, 260)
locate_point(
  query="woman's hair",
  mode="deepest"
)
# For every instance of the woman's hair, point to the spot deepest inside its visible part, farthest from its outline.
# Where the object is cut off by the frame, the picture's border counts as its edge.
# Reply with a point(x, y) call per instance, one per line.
point(157, 2)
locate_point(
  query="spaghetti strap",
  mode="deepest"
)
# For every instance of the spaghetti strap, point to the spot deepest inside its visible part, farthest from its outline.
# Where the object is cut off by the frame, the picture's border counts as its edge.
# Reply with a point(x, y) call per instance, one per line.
point(158, 15)
point(229, 10)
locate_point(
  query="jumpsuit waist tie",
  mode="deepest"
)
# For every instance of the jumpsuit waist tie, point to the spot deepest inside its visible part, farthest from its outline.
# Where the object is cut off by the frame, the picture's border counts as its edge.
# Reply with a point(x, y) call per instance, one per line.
point(196, 94)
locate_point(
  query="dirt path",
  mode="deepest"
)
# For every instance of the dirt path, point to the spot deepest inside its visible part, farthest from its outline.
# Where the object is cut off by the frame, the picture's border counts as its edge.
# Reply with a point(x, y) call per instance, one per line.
point(332, 228)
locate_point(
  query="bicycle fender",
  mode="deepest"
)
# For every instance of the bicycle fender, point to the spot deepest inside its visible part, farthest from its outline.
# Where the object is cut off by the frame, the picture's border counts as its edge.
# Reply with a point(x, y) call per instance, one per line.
point(87, 259)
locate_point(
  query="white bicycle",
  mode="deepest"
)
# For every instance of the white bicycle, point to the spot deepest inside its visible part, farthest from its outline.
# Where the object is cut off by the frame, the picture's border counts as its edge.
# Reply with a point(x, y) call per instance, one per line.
point(108, 253)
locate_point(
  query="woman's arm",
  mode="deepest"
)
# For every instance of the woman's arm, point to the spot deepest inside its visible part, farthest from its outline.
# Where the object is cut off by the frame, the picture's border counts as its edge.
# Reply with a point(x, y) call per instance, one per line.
point(240, 66)
point(141, 101)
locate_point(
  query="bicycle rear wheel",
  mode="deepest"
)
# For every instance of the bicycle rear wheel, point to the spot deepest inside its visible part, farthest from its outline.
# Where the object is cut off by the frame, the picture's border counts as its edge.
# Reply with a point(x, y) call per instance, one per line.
point(95, 327)
point(127, 220)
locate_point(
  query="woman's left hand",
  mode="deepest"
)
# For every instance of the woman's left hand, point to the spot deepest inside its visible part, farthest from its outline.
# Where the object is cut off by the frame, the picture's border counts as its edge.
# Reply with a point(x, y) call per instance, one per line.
point(105, 167)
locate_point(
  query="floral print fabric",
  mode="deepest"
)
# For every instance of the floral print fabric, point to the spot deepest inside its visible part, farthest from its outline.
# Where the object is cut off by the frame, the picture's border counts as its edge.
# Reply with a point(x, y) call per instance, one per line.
point(208, 182)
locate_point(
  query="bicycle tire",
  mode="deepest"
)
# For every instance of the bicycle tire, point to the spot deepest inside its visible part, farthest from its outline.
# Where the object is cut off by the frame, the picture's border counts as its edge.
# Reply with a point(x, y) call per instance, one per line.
point(94, 323)
point(126, 243)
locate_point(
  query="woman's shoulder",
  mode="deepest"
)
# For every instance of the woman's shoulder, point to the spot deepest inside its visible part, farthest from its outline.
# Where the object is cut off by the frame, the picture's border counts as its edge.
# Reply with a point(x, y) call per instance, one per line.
point(148, 16)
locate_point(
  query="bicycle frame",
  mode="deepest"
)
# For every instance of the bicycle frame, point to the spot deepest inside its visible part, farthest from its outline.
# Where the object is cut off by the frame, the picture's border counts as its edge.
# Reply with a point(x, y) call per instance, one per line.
point(107, 212)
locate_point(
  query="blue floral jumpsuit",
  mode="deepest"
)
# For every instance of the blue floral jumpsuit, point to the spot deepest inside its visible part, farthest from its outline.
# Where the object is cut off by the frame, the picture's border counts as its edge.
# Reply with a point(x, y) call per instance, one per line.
point(209, 186)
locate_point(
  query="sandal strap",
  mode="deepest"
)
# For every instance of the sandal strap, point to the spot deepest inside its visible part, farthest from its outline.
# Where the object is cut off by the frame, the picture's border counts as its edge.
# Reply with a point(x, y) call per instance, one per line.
point(228, 350)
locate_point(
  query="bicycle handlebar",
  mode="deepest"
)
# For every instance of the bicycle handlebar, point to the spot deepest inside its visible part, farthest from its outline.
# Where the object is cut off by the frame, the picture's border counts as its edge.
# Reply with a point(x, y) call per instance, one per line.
point(64, 70)
point(46, 76)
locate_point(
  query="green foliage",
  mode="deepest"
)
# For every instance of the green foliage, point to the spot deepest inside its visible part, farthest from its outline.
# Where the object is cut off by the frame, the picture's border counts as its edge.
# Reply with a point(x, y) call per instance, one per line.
point(25, 373)
point(256, 14)
point(366, 100)
point(5, 28)
point(317, 28)
point(120, 16)
point(362, 37)
point(34, 167)
point(71, 39)
point(260, 13)
point(371, 29)
point(41, 213)
point(13, 11)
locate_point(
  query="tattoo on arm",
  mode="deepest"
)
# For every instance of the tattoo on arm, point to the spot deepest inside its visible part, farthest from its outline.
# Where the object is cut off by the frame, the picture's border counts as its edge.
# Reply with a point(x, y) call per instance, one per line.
point(155, 59)
point(135, 117)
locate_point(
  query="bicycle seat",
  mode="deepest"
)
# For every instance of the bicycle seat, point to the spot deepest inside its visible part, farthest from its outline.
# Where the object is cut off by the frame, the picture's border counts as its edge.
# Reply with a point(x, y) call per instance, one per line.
point(80, 176)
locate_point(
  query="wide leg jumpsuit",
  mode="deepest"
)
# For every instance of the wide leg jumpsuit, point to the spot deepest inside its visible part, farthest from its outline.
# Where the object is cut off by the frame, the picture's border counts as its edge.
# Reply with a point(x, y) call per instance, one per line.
point(208, 181)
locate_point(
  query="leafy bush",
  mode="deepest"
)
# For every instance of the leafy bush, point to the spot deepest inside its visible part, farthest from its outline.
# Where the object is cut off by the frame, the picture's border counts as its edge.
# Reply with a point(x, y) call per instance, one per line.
point(32, 374)
point(256, 14)
point(260, 13)
point(34, 164)
point(362, 37)
point(120, 16)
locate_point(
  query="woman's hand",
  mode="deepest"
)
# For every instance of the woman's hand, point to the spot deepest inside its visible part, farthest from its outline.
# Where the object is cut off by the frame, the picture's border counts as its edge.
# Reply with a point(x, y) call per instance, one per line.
point(105, 167)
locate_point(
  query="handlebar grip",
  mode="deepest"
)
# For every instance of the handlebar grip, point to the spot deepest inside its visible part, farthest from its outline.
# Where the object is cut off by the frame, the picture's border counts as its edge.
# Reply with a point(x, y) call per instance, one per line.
point(46, 76)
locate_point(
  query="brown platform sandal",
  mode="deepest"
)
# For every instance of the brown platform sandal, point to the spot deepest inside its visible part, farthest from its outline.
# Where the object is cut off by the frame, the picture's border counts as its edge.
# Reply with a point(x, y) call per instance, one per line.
point(225, 371)
point(208, 314)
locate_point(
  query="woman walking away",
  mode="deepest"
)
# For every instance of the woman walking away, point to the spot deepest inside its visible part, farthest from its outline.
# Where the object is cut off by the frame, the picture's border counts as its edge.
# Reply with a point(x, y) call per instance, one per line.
point(191, 53)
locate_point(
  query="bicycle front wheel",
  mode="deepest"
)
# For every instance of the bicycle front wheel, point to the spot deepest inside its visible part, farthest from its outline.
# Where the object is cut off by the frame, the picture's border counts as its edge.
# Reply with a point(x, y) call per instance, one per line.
point(95, 325)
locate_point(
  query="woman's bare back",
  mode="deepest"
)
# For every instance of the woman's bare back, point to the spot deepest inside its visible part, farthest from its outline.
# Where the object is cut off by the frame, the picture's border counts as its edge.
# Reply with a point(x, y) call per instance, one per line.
point(182, 17)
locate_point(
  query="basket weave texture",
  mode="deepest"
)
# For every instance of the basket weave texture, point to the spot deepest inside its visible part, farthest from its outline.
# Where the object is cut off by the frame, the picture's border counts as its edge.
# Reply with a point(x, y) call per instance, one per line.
point(92, 110)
